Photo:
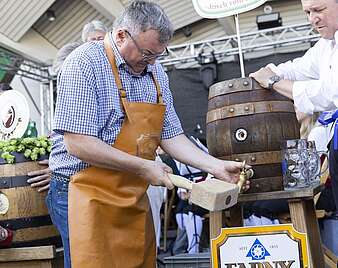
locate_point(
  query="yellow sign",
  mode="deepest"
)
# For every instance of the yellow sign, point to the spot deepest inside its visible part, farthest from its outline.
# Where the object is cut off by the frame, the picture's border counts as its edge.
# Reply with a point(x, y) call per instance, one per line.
point(272, 246)
point(223, 8)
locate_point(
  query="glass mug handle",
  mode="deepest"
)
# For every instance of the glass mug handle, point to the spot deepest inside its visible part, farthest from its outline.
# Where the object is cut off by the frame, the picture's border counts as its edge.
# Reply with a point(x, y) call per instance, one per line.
point(320, 153)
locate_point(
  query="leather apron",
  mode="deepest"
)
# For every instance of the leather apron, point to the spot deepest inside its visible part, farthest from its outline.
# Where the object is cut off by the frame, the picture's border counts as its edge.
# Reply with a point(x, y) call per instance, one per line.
point(110, 220)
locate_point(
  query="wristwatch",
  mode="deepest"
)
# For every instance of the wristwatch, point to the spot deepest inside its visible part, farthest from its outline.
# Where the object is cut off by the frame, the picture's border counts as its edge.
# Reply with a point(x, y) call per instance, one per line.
point(272, 80)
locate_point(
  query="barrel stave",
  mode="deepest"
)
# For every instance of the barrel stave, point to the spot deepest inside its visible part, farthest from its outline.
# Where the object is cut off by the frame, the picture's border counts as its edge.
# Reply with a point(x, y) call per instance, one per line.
point(27, 213)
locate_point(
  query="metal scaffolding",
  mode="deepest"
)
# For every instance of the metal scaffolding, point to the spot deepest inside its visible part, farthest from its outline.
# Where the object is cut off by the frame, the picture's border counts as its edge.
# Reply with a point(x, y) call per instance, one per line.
point(180, 56)
point(16, 64)
point(19, 65)
point(223, 49)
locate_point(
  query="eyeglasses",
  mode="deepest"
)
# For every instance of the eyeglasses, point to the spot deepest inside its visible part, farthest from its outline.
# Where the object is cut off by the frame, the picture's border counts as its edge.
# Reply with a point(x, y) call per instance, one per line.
point(146, 54)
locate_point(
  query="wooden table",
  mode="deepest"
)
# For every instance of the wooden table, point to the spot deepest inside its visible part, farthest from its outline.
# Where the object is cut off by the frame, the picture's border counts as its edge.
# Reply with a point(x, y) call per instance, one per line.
point(302, 212)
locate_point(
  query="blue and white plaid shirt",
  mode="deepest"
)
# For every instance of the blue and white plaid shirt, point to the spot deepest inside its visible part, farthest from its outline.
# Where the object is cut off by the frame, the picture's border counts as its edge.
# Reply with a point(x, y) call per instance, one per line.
point(88, 101)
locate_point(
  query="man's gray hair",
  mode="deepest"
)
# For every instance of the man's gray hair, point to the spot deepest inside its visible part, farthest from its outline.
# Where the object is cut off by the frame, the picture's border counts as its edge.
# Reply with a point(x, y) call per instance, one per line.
point(140, 16)
point(92, 26)
point(62, 55)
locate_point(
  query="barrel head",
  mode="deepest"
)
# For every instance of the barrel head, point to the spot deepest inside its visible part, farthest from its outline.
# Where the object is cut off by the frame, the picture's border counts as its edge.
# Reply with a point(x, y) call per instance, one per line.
point(214, 194)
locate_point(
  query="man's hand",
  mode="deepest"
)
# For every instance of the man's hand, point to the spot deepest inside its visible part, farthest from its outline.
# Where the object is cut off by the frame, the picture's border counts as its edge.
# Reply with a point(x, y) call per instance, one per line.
point(262, 76)
point(156, 173)
point(40, 178)
point(229, 171)
point(283, 87)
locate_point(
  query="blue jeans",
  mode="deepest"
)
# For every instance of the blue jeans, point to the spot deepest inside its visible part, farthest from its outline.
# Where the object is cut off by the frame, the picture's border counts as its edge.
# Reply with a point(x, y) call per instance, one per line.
point(57, 203)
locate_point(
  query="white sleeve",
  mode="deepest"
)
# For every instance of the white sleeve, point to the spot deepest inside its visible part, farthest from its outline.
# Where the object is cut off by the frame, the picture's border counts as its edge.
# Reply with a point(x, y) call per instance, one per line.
point(311, 93)
point(315, 95)
point(303, 68)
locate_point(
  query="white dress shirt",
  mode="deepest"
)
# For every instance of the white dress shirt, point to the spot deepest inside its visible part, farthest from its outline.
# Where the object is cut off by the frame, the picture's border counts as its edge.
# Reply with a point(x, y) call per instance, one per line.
point(316, 84)
point(316, 77)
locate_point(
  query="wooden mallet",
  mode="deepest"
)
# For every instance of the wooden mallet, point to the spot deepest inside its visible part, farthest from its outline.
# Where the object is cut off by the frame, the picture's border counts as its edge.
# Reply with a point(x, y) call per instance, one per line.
point(213, 194)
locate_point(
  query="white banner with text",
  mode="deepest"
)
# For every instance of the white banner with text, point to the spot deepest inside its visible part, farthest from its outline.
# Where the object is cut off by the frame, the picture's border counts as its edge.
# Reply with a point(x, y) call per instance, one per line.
point(223, 8)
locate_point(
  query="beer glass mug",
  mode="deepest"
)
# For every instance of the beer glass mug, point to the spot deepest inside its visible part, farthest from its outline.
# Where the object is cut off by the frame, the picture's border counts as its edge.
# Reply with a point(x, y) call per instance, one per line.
point(314, 163)
point(300, 164)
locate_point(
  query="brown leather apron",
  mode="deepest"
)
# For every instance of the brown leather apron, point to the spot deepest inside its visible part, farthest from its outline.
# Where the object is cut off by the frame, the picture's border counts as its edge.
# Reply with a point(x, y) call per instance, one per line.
point(110, 221)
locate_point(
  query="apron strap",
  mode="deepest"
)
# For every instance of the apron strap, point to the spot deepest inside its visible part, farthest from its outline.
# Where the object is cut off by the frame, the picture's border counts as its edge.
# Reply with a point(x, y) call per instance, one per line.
point(158, 89)
point(111, 58)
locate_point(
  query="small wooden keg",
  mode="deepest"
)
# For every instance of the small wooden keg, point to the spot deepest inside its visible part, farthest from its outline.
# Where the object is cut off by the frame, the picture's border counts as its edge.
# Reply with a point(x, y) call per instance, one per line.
point(22, 208)
point(248, 122)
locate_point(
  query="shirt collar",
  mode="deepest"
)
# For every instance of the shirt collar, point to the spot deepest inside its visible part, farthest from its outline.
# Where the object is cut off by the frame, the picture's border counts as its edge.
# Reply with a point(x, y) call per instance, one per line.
point(121, 63)
point(335, 38)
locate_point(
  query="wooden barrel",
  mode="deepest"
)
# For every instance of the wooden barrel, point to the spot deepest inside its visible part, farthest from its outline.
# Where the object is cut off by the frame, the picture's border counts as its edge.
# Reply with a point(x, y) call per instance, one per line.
point(22, 208)
point(248, 122)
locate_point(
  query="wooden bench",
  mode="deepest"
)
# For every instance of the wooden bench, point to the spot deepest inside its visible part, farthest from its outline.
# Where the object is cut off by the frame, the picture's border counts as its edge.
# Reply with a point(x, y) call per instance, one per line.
point(302, 212)
point(31, 257)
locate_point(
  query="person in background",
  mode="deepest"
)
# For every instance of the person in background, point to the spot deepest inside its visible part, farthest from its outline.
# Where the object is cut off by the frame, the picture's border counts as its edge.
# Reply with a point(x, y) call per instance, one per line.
point(62, 54)
point(169, 161)
point(114, 108)
point(157, 195)
point(40, 179)
point(312, 80)
point(92, 31)
point(189, 217)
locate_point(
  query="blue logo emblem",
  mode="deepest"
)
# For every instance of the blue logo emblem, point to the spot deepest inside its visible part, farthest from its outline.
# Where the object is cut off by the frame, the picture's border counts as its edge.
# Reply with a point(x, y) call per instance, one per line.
point(257, 251)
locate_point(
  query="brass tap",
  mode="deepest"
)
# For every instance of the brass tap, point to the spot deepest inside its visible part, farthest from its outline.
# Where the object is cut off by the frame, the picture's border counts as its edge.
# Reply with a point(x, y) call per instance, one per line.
point(246, 173)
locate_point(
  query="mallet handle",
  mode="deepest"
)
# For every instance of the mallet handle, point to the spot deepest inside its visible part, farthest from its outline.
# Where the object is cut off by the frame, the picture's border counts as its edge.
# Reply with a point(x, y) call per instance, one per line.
point(180, 181)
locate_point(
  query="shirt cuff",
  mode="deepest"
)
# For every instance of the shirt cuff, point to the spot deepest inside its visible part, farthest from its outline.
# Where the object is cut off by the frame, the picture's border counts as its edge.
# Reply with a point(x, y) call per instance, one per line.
point(275, 69)
point(89, 131)
point(300, 97)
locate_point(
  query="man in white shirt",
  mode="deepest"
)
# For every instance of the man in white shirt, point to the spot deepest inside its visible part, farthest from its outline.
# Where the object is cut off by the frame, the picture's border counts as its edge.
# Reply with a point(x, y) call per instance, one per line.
point(312, 80)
